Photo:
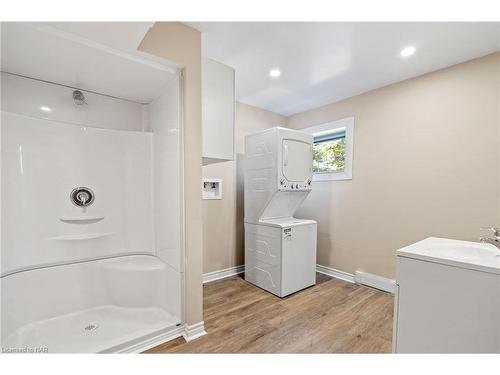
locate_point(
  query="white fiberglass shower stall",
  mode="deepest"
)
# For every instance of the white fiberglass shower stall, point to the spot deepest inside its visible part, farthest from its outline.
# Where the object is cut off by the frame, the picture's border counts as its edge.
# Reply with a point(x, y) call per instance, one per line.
point(91, 195)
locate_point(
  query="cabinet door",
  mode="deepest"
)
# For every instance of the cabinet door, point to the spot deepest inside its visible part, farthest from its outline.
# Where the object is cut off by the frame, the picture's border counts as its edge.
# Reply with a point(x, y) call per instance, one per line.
point(445, 309)
point(217, 111)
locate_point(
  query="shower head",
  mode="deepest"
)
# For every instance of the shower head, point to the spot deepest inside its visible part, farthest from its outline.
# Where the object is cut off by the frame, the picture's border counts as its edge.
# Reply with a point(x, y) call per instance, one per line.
point(79, 98)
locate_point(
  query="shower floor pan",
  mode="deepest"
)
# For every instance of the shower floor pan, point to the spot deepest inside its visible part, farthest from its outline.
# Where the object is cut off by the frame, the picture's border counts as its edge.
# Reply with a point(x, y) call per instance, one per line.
point(99, 329)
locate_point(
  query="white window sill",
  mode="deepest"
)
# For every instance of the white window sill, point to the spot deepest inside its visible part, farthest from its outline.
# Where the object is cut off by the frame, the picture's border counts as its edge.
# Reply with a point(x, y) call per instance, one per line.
point(335, 176)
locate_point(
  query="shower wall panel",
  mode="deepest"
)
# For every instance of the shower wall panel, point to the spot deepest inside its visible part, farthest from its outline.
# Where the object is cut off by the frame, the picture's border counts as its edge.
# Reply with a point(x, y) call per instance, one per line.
point(42, 162)
point(165, 125)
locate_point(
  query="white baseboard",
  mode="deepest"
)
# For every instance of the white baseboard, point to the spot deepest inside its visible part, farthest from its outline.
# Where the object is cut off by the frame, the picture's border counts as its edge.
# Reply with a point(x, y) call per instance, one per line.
point(363, 278)
point(194, 331)
point(221, 274)
point(332, 272)
point(375, 281)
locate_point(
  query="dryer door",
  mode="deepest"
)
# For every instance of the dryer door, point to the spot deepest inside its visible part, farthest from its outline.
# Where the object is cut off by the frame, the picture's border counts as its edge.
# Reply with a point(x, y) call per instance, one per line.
point(296, 160)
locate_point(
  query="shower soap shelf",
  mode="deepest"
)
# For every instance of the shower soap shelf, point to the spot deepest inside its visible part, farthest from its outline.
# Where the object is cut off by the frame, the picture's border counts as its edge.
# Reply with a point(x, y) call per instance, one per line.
point(87, 219)
point(77, 237)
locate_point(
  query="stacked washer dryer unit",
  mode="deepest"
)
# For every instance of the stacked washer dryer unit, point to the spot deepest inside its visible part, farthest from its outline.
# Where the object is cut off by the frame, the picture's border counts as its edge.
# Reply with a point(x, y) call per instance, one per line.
point(280, 250)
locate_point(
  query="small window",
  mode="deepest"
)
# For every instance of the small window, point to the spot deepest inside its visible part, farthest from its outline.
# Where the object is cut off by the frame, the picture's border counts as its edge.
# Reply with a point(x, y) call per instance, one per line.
point(332, 150)
point(329, 153)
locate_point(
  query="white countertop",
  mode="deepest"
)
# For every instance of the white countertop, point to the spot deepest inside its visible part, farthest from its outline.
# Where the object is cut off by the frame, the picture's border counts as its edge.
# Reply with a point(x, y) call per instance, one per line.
point(472, 255)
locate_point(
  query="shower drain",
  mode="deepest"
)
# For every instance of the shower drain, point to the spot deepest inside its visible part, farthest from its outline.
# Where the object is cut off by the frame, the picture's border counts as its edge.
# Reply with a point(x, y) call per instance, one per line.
point(91, 327)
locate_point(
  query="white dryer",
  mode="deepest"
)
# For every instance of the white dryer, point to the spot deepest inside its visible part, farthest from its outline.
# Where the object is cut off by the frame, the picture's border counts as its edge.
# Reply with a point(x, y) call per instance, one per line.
point(280, 250)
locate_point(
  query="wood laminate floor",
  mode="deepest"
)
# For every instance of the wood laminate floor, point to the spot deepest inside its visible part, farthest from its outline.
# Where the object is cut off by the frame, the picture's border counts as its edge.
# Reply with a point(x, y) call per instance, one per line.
point(331, 317)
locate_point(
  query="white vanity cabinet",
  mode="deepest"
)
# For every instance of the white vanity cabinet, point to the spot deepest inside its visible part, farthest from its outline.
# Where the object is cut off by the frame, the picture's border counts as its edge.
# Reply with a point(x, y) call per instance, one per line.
point(217, 112)
point(447, 298)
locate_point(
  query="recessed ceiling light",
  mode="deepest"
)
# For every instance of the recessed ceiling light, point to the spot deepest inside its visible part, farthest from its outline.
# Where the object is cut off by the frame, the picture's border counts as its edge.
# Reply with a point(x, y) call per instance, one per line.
point(274, 73)
point(45, 109)
point(407, 51)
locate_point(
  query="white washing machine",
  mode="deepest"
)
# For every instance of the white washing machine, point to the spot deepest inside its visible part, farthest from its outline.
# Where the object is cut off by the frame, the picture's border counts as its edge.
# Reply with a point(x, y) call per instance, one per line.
point(280, 250)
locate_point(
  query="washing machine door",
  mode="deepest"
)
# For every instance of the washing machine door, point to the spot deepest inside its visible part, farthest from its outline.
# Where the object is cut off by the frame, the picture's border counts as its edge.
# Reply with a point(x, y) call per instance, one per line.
point(296, 160)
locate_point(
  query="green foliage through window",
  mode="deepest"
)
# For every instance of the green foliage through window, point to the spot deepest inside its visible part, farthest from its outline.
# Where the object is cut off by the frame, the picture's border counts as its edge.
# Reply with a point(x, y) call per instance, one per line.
point(329, 156)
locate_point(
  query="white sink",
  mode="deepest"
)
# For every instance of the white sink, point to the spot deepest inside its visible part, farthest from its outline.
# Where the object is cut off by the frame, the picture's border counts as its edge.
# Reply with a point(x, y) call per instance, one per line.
point(473, 255)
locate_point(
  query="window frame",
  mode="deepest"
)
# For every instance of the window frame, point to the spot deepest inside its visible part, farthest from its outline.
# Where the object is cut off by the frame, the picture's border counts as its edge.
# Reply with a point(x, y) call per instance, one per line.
point(347, 125)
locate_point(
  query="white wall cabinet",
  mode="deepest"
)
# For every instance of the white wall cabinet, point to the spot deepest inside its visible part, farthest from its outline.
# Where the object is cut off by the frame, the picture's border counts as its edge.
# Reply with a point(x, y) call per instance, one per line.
point(217, 112)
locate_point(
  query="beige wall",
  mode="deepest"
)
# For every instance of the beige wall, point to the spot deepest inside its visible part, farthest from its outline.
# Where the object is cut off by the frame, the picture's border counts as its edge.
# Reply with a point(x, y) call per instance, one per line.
point(223, 230)
point(182, 44)
point(426, 163)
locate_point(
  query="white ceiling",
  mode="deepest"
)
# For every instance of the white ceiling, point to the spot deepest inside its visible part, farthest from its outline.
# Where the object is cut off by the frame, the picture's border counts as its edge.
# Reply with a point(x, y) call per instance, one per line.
point(326, 62)
point(125, 36)
point(99, 57)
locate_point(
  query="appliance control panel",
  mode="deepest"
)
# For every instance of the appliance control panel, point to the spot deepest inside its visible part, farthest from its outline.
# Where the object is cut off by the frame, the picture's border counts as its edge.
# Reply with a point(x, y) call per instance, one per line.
point(285, 185)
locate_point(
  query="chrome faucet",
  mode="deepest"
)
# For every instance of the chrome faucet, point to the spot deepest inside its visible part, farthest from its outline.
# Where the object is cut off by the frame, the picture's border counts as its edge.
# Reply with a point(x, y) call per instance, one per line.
point(495, 240)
